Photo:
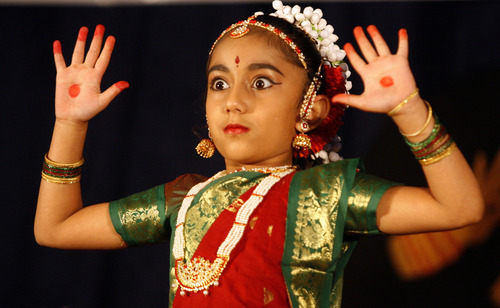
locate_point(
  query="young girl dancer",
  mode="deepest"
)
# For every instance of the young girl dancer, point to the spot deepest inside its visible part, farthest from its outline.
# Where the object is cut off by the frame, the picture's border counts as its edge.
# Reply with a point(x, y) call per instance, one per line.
point(274, 228)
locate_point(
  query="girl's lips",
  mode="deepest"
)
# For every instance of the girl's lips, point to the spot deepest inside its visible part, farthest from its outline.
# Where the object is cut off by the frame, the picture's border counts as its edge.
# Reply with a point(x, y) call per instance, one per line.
point(235, 129)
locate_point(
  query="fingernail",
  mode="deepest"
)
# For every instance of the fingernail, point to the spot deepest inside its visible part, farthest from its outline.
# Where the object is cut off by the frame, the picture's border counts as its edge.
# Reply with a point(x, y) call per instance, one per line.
point(372, 30)
point(358, 32)
point(403, 34)
point(82, 35)
point(122, 85)
point(57, 47)
point(348, 47)
point(99, 30)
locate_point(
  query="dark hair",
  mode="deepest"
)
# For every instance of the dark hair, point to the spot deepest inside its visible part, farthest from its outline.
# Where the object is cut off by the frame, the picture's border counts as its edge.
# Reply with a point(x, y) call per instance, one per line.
point(300, 38)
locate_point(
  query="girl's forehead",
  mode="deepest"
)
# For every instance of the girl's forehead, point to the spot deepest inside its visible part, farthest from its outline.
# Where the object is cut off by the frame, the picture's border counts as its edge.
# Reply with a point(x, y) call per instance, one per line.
point(251, 47)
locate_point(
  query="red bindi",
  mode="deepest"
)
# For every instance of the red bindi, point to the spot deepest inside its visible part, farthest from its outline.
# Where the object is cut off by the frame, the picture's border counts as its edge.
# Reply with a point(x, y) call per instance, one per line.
point(386, 81)
point(74, 90)
point(237, 60)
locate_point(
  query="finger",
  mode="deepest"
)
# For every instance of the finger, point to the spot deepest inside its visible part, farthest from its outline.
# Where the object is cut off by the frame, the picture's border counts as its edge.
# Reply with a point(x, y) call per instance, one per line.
point(95, 46)
point(108, 95)
point(107, 50)
point(348, 99)
point(403, 43)
point(356, 61)
point(364, 44)
point(79, 51)
point(58, 56)
point(378, 40)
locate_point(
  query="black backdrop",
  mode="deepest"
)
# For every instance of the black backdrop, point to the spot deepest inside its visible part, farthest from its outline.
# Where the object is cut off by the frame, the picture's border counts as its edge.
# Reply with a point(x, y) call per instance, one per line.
point(145, 138)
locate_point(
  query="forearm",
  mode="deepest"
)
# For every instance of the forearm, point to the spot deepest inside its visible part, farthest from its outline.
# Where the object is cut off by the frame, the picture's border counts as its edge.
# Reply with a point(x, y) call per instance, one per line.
point(455, 188)
point(57, 202)
point(450, 180)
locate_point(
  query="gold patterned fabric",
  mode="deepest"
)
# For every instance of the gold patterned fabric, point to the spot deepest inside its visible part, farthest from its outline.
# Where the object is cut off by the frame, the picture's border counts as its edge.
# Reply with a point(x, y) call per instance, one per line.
point(328, 207)
point(209, 204)
point(325, 204)
point(139, 219)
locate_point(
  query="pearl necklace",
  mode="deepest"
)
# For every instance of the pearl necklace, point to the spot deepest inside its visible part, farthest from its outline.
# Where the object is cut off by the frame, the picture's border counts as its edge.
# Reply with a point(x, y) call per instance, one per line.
point(199, 274)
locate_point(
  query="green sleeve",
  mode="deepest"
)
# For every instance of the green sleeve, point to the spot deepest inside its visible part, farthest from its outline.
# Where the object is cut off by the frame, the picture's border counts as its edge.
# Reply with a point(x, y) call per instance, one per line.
point(140, 218)
point(364, 197)
point(144, 218)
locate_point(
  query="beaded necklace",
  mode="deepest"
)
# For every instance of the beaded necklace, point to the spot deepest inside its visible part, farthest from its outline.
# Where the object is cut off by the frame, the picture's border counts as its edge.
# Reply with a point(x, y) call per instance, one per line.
point(199, 274)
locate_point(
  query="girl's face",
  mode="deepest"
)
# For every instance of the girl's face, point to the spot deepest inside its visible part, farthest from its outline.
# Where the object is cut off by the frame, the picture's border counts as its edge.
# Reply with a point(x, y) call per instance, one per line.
point(252, 102)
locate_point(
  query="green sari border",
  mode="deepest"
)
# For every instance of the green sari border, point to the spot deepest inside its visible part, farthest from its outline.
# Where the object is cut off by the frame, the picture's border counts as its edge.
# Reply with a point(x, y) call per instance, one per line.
point(346, 169)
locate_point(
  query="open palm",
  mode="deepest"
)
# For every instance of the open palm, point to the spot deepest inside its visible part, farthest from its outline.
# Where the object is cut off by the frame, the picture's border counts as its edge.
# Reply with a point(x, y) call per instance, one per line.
point(78, 91)
point(387, 77)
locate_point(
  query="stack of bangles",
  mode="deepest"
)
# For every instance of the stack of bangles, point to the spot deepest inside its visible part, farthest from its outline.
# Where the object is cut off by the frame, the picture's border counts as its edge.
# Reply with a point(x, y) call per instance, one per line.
point(434, 148)
point(58, 173)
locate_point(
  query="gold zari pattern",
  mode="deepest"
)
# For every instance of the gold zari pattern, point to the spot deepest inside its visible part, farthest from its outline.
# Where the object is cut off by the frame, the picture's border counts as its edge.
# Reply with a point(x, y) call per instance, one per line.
point(314, 239)
point(212, 202)
point(325, 204)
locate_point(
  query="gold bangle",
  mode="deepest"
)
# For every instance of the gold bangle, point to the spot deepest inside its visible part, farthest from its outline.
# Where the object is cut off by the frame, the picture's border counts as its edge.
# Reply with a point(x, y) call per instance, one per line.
point(427, 121)
point(406, 100)
point(440, 156)
point(56, 180)
point(60, 165)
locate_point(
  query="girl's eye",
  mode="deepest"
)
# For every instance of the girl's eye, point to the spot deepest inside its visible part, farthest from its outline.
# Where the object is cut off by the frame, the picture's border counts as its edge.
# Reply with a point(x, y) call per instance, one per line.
point(219, 85)
point(262, 83)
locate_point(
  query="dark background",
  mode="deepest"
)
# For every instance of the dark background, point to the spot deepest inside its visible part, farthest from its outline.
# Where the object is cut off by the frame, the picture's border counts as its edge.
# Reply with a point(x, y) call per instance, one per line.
point(145, 138)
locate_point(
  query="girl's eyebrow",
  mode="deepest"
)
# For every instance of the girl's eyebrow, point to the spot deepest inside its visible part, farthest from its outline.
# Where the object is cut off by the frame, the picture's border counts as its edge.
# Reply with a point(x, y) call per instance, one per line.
point(257, 66)
point(251, 67)
point(218, 67)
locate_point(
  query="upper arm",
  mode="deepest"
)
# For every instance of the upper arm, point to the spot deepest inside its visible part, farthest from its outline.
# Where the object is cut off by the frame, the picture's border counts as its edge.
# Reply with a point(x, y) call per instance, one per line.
point(88, 228)
point(406, 209)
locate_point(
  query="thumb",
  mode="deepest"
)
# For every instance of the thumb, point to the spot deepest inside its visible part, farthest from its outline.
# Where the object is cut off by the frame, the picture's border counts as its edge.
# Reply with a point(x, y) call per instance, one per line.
point(347, 99)
point(113, 91)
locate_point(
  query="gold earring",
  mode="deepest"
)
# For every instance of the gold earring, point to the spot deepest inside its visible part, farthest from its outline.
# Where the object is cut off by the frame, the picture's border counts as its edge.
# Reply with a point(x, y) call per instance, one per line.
point(206, 148)
point(302, 141)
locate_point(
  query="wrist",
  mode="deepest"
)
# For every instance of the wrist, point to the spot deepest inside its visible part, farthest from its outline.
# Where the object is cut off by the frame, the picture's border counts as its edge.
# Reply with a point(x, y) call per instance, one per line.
point(415, 121)
point(68, 140)
point(74, 125)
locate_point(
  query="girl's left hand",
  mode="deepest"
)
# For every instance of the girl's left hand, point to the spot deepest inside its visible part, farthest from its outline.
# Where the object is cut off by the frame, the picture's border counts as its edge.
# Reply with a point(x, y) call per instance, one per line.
point(387, 77)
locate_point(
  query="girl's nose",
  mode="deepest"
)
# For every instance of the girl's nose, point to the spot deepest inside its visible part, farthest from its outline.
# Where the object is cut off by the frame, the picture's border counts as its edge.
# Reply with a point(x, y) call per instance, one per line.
point(235, 100)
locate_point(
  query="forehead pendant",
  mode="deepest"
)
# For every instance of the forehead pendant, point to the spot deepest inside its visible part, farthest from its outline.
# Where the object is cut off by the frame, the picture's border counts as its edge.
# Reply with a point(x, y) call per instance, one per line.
point(239, 31)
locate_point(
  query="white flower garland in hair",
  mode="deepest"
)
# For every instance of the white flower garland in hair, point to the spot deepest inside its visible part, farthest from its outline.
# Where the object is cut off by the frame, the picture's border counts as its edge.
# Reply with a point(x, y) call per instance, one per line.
point(312, 22)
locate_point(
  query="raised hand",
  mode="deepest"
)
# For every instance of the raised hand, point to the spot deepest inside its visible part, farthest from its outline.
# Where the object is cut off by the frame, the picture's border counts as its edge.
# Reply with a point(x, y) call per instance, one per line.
point(387, 77)
point(78, 90)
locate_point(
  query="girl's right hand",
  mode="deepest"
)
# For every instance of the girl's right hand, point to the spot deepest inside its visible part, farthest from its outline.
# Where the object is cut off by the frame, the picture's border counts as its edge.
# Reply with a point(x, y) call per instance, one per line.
point(78, 91)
